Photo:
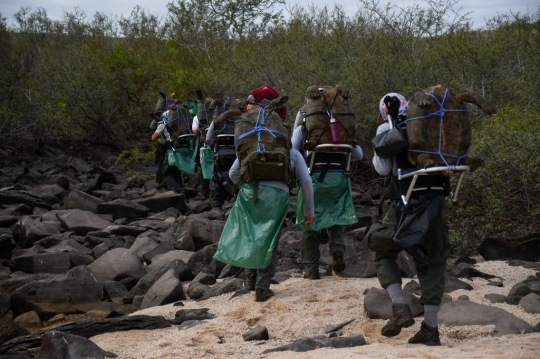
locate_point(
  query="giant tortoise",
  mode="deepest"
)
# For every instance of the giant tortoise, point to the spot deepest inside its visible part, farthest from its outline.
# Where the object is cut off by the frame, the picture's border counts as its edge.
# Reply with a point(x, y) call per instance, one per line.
point(439, 127)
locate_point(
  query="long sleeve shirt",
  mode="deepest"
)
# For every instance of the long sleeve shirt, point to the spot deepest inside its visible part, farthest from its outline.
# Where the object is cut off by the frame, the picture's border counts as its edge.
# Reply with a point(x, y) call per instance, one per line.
point(298, 165)
point(384, 166)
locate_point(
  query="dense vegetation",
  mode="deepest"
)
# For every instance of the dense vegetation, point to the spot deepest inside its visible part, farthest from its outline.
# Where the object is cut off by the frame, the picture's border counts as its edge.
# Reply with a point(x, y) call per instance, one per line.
point(94, 80)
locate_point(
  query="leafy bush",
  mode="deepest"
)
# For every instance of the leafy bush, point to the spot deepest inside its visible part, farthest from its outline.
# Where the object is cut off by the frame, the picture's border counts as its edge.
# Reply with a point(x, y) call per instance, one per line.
point(503, 196)
point(126, 156)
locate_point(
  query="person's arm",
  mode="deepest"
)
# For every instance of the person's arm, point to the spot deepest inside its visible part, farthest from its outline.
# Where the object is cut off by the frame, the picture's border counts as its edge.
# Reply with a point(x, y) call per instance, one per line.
point(302, 173)
point(298, 120)
point(383, 166)
point(357, 153)
point(210, 132)
point(195, 126)
point(298, 138)
point(159, 132)
point(234, 172)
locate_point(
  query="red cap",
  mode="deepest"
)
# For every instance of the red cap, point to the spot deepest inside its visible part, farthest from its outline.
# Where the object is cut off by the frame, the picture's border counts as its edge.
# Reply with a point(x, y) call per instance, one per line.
point(266, 92)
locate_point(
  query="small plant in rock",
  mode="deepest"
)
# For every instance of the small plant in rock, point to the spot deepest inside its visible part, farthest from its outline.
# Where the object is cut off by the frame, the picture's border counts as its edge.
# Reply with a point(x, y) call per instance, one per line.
point(126, 156)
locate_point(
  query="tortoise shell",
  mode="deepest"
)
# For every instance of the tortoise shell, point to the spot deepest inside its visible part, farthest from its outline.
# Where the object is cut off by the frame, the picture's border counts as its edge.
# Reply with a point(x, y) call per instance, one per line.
point(319, 101)
point(260, 146)
point(439, 128)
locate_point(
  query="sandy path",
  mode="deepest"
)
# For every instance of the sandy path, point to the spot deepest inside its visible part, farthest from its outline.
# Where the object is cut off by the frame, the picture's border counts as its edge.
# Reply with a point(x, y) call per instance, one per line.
point(303, 308)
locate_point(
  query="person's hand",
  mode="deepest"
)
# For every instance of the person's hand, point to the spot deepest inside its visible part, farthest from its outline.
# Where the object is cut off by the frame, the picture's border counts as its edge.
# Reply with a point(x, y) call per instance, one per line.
point(308, 221)
point(392, 104)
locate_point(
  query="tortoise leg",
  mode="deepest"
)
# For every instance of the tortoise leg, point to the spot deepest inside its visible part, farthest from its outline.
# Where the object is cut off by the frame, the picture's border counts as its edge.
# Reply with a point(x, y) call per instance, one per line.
point(476, 99)
point(308, 146)
point(474, 163)
point(422, 99)
point(425, 160)
point(343, 91)
point(276, 103)
point(447, 173)
point(313, 92)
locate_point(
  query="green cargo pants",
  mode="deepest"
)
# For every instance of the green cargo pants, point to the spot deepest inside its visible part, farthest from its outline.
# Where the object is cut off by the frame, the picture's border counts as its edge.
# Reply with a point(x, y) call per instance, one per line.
point(380, 240)
point(264, 275)
point(310, 246)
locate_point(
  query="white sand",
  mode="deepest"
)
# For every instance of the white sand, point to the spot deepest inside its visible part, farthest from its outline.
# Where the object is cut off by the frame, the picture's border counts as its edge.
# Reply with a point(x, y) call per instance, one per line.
point(303, 308)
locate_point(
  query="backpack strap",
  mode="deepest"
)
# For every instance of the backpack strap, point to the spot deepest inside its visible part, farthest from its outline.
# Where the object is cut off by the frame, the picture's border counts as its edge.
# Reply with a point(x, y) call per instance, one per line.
point(255, 191)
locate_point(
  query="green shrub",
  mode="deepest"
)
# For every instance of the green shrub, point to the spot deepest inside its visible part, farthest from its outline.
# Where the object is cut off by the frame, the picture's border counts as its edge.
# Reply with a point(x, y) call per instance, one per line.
point(126, 156)
point(503, 196)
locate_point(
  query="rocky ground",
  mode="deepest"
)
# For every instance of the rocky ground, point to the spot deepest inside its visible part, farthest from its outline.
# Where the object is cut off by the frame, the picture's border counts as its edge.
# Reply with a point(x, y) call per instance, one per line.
point(96, 260)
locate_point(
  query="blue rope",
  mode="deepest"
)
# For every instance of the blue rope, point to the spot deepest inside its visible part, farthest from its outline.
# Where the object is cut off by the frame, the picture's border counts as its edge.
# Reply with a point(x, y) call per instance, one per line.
point(205, 111)
point(439, 113)
point(184, 118)
point(259, 128)
point(262, 117)
point(226, 127)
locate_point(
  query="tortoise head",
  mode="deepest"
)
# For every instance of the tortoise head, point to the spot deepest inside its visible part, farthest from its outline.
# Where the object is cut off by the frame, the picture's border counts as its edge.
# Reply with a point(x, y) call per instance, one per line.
point(205, 111)
point(163, 103)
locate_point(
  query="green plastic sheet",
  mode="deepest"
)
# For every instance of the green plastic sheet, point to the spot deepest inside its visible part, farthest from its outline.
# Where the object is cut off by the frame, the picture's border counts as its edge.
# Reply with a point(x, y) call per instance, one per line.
point(207, 162)
point(183, 158)
point(252, 229)
point(333, 202)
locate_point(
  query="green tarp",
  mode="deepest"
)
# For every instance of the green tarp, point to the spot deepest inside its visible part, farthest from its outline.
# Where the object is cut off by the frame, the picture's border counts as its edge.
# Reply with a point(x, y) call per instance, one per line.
point(183, 158)
point(207, 162)
point(333, 202)
point(252, 229)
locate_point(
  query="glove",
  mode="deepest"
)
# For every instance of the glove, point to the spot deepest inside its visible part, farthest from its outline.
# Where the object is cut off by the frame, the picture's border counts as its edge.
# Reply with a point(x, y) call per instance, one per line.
point(392, 104)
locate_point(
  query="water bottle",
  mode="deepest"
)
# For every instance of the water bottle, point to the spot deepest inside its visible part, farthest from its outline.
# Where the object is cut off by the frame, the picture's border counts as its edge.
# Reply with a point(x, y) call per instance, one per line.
point(335, 135)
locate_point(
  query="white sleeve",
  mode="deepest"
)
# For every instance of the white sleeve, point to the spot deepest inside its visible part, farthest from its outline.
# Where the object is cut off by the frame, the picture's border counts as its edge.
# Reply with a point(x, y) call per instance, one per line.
point(210, 133)
point(195, 124)
point(357, 153)
point(299, 119)
point(302, 174)
point(161, 129)
point(383, 166)
point(234, 172)
point(298, 138)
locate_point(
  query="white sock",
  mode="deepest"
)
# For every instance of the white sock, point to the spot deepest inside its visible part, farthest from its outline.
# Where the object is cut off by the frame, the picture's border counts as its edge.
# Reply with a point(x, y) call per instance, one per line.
point(396, 293)
point(431, 315)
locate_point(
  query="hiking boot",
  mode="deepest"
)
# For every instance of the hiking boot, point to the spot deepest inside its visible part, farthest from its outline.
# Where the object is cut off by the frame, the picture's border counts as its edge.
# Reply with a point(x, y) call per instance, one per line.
point(161, 184)
point(313, 275)
point(338, 263)
point(401, 318)
point(201, 197)
point(427, 335)
point(250, 282)
point(262, 295)
point(179, 189)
